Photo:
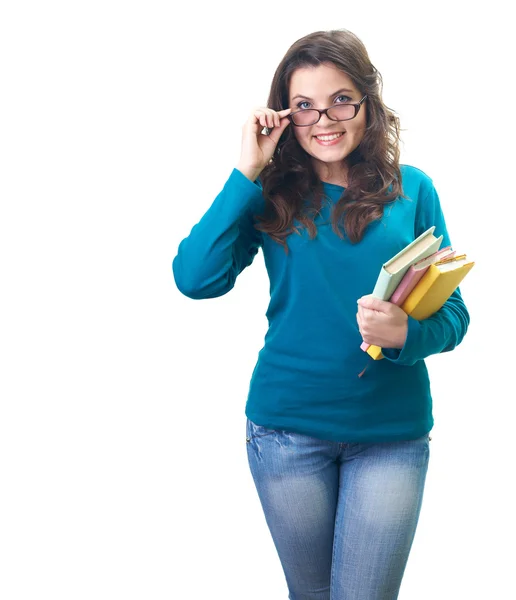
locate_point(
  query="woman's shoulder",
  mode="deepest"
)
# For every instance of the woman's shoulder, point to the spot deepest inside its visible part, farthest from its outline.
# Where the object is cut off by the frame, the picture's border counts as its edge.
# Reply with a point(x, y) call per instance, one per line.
point(415, 179)
point(412, 172)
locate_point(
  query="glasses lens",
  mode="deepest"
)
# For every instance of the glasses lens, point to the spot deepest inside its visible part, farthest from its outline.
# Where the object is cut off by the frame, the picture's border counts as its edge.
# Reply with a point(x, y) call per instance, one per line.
point(305, 117)
point(341, 112)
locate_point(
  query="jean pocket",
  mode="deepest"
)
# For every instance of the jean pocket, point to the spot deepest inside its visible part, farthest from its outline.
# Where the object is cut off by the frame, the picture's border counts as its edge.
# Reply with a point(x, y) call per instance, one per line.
point(255, 431)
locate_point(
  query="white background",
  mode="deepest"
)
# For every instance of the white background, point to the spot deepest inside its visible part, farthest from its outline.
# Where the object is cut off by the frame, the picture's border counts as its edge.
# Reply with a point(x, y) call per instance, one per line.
point(123, 466)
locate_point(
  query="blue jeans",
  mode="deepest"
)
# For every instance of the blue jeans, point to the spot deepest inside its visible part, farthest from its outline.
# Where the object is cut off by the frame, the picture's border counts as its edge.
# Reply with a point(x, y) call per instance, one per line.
point(342, 515)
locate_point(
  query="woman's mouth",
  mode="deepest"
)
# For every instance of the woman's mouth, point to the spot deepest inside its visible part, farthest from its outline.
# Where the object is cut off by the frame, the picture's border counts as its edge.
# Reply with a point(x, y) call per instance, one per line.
point(329, 140)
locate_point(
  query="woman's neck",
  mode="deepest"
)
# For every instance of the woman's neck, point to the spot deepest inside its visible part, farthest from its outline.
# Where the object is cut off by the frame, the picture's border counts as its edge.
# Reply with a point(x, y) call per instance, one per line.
point(335, 173)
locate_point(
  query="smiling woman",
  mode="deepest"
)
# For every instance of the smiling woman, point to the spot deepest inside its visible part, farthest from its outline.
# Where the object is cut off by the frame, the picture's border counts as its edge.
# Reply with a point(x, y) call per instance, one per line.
point(339, 462)
point(332, 89)
point(343, 128)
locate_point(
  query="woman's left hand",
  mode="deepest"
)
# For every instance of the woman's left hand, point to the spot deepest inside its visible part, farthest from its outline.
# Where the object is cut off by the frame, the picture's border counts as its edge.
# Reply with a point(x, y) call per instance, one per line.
point(381, 323)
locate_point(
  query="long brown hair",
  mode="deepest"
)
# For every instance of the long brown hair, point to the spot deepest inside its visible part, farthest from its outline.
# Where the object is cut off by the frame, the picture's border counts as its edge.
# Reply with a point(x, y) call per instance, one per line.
point(373, 167)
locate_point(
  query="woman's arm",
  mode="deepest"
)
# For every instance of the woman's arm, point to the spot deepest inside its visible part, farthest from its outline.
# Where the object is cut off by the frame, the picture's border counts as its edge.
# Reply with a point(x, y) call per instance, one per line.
point(444, 330)
point(223, 243)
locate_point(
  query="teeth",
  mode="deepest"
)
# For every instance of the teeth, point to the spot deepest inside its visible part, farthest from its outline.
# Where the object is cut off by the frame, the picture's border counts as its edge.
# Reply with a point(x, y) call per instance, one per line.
point(328, 138)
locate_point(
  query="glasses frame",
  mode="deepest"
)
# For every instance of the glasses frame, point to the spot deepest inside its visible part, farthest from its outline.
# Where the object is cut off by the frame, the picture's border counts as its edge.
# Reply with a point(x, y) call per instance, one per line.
point(324, 111)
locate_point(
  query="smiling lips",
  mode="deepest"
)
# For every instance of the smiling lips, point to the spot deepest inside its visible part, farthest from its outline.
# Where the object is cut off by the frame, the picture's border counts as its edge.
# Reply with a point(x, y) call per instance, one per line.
point(327, 140)
point(328, 136)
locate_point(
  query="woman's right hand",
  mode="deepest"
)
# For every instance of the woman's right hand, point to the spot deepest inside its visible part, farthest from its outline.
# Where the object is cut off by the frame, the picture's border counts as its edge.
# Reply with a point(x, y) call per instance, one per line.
point(258, 149)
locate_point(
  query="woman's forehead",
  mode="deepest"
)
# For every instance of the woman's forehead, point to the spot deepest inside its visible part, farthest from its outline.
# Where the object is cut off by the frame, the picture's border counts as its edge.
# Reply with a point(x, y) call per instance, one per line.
point(321, 81)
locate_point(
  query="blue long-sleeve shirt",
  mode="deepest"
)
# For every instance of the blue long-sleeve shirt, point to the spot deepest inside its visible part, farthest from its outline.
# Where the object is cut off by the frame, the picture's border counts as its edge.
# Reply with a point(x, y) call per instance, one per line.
point(306, 375)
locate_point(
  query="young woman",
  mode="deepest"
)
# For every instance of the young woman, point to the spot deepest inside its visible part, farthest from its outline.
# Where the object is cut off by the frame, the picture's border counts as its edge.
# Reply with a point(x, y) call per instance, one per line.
point(339, 460)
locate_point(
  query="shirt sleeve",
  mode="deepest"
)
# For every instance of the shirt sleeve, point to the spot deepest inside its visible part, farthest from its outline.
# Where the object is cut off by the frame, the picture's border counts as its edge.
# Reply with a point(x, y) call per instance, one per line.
point(445, 329)
point(223, 243)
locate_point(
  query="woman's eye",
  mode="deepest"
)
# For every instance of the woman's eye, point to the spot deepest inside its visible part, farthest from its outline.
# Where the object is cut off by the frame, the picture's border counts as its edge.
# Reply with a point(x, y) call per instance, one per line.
point(344, 99)
point(347, 98)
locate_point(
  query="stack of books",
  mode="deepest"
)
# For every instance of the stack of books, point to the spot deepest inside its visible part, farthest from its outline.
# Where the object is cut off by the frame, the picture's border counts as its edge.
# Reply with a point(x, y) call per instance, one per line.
point(420, 279)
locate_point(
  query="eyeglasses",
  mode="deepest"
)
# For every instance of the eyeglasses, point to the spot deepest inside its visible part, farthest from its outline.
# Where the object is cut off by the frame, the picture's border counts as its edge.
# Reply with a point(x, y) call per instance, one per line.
point(337, 112)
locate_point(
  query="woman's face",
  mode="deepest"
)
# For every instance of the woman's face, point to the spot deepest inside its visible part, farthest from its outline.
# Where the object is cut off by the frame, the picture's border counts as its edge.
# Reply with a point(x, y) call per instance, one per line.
point(321, 87)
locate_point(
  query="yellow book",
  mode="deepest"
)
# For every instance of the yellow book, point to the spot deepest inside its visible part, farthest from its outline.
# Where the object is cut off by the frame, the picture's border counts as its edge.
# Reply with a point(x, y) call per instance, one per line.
point(432, 291)
point(375, 352)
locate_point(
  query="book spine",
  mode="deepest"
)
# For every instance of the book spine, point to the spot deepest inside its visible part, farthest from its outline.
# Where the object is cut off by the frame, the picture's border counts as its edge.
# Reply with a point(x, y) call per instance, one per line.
point(374, 352)
point(440, 292)
point(408, 283)
point(424, 284)
point(381, 289)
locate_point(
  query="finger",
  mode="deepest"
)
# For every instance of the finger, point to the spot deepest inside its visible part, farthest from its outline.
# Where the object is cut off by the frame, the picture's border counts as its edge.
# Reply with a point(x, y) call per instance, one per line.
point(361, 312)
point(360, 326)
point(280, 114)
point(373, 303)
point(259, 115)
point(277, 132)
point(269, 117)
point(275, 118)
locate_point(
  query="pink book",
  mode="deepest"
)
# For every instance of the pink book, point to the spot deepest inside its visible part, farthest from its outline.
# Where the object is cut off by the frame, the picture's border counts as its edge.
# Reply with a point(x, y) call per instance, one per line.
point(414, 274)
point(412, 278)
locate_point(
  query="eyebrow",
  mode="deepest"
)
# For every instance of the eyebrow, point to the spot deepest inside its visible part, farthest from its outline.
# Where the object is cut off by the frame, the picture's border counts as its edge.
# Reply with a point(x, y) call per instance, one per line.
point(330, 96)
